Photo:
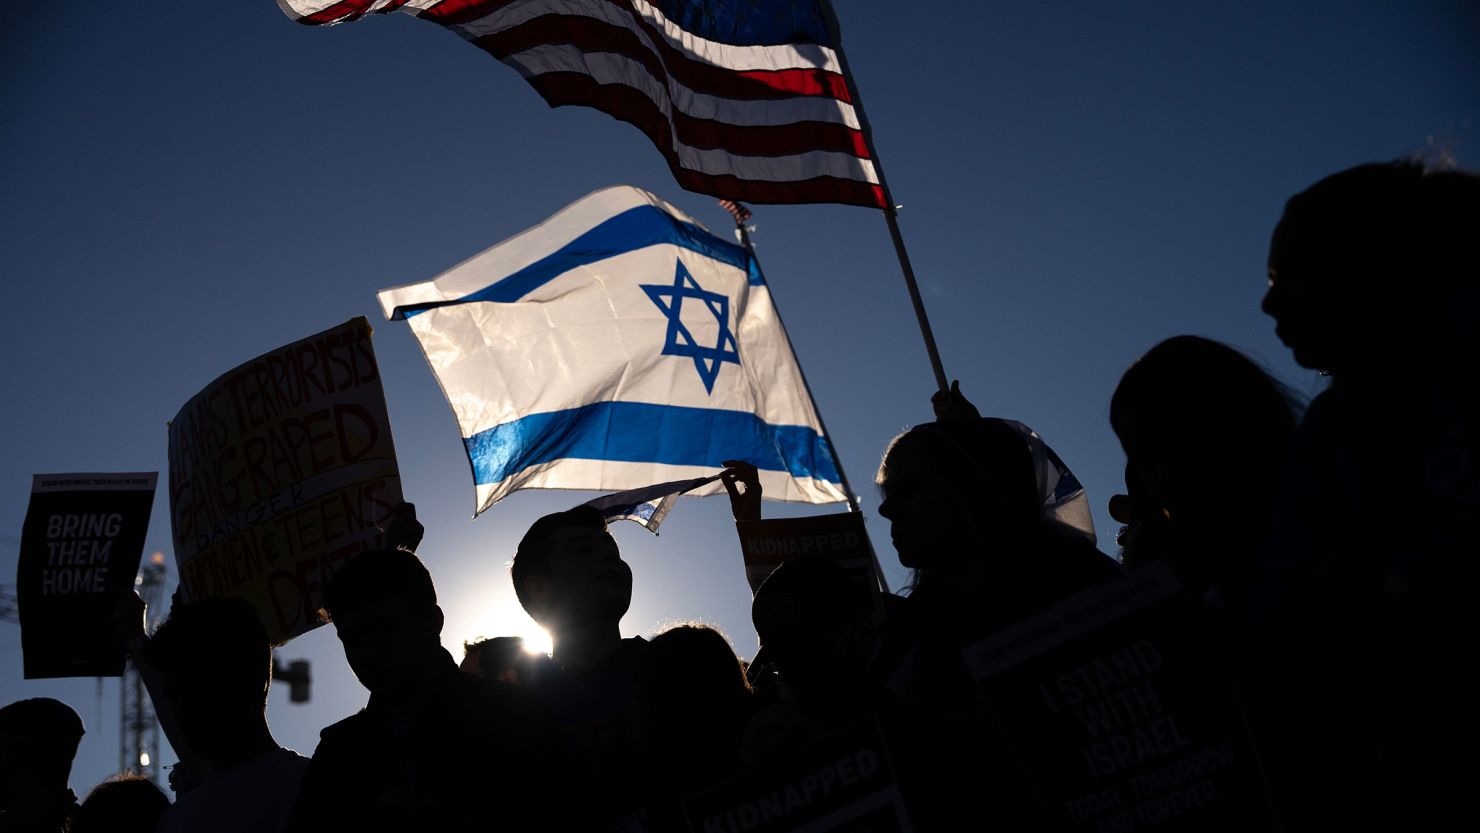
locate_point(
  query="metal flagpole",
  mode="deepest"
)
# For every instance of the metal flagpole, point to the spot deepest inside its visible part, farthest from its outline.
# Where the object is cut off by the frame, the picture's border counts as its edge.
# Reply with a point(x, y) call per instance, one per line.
point(807, 386)
point(890, 215)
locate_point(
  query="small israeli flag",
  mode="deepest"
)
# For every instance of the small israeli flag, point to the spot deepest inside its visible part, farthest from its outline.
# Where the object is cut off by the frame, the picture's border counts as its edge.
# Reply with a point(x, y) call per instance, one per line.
point(616, 345)
point(648, 506)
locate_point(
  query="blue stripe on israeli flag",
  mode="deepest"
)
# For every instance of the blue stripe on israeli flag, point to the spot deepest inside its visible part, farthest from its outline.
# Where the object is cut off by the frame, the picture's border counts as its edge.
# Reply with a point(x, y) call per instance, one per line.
point(641, 433)
point(632, 229)
point(616, 345)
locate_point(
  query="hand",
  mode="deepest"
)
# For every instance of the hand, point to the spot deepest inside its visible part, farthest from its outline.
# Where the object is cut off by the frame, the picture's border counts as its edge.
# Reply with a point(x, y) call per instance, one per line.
point(743, 483)
point(952, 406)
point(404, 532)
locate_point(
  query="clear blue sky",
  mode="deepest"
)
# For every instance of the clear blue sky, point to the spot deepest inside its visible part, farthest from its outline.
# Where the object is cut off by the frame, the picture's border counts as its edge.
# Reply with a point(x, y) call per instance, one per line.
point(184, 187)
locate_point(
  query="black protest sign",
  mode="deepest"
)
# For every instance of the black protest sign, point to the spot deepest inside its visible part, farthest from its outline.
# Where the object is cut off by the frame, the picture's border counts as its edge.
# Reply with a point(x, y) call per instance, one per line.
point(281, 470)
point(843, 783)
point(1116, 706)
point(80, 549)
point(840, 538)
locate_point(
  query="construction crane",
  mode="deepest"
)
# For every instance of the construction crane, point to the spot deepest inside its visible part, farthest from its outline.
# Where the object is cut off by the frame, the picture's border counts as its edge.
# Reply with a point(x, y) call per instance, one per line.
point(138, 736)
point(9, 606)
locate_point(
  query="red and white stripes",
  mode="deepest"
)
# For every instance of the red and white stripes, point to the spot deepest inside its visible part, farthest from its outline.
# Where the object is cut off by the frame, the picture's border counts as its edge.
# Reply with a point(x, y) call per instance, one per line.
point(765, 124)
point(737, 210)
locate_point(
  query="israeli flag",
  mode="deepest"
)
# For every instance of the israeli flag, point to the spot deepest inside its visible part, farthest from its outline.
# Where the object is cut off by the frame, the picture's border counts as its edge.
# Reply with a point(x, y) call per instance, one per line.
point(646, 507)
point(616, 345)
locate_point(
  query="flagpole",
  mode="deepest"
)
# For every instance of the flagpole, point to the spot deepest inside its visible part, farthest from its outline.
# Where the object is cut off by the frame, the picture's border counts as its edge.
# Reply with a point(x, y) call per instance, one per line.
point(890, 214)
point(832, 449)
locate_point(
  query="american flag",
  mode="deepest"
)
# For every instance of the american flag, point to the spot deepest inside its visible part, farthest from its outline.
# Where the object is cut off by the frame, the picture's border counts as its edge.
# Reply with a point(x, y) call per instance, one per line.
point(745, 98)
point(736, 209)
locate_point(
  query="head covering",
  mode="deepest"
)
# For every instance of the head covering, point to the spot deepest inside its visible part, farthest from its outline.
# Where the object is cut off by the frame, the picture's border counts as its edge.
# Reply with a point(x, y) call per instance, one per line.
point(1064, 500)
point(1060, 499)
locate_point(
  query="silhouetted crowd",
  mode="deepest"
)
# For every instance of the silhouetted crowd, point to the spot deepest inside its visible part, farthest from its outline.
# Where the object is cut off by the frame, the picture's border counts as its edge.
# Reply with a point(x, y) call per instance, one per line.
point(1286, 641)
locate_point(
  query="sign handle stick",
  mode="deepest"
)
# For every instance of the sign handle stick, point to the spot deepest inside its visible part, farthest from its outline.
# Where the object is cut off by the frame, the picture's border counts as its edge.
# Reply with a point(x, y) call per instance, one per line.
point(890, 209)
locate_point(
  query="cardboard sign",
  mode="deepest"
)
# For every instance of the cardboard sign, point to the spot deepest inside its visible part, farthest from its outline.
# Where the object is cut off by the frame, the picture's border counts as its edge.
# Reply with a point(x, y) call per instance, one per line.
point(841, 538)
point(280, 471)
point(843, 782)
point(1114, 707)
point(80, 549)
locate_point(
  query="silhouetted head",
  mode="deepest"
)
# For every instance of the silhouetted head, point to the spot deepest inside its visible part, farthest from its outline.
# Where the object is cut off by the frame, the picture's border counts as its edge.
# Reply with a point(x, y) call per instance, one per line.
point(691, 668)
point(816, 624)
point(500, 658)
point(690, 706)
point(1354, 253)
point(568, 571)
point(216, 662)
point(1204, 430)
point(121, 804)
point(952, 489)
point(38, 740)
point(384, 609)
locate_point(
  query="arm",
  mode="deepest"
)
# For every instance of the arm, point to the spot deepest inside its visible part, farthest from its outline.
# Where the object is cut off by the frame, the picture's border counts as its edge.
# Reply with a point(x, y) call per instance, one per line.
point(129, 613)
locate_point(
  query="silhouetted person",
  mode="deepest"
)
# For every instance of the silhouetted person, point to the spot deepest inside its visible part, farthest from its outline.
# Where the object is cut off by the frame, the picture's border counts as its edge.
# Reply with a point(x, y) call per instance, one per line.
point(570, 578)
point(122, 804)
point(816, 626)
point(432, 738)
point(1364, 609)
point(995, 529)
point(501, 658)
point(1205, 432)
point(692, 705)
point(38, 740)
point(215, 660)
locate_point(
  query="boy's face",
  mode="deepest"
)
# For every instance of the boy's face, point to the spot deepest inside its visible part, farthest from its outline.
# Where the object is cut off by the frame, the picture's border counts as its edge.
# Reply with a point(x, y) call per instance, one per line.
point(386, 642)
point(199, 695)
point(587, 580)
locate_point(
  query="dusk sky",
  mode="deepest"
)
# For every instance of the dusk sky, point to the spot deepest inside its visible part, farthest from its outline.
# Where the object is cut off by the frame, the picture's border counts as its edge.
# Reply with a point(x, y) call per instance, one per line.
point(184, 188)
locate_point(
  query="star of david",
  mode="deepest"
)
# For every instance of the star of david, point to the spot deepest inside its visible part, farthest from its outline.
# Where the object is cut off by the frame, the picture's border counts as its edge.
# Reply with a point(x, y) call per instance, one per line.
point(679, 341)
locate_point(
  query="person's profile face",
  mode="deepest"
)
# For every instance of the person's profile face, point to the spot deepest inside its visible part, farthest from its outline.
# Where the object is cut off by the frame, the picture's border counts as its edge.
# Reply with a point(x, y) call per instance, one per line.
point(920, 509)
point(588, 577)
point(1289, 298)
point(1328, 292)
